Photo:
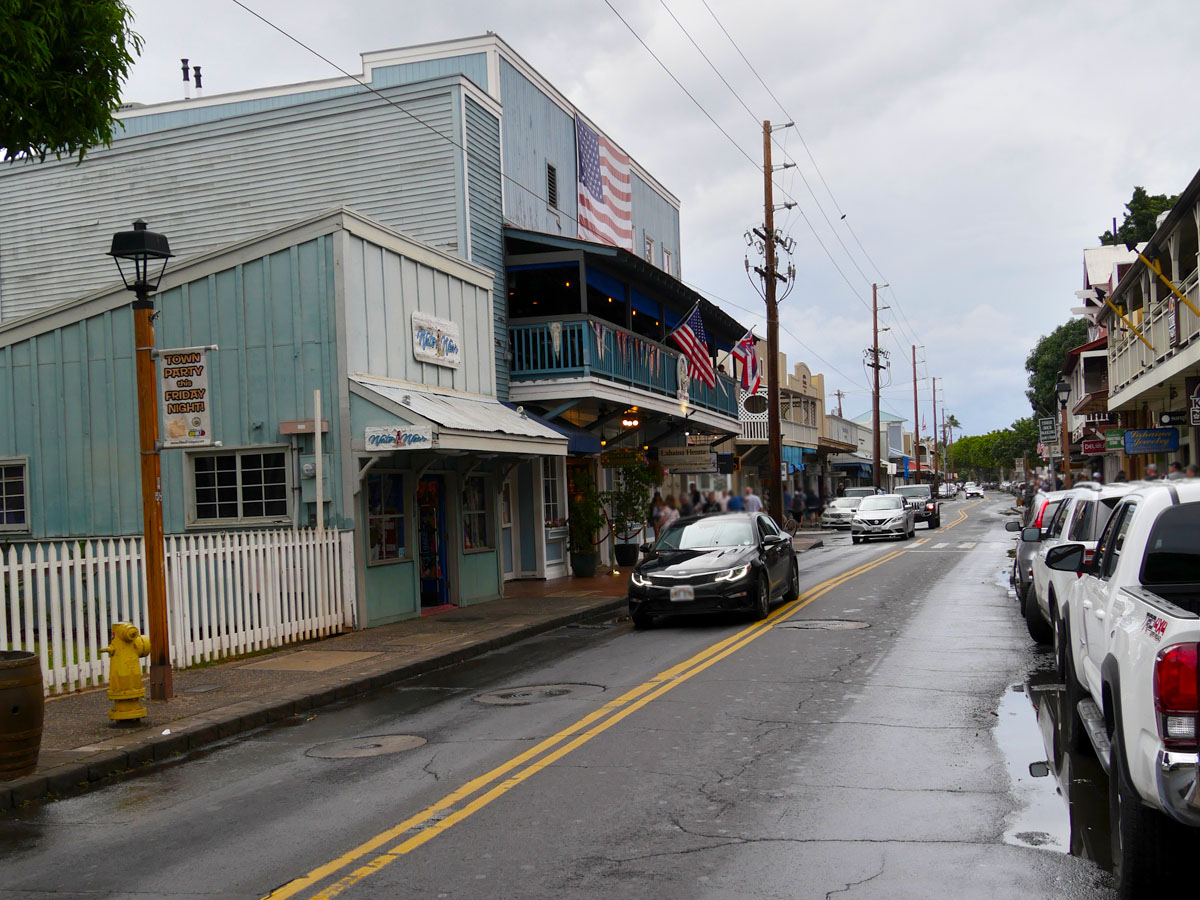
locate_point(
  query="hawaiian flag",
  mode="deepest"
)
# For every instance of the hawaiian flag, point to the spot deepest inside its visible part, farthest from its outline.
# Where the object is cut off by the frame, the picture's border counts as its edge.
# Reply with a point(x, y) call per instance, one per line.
point(605, 190)
point(744, 353)
point(692, 339)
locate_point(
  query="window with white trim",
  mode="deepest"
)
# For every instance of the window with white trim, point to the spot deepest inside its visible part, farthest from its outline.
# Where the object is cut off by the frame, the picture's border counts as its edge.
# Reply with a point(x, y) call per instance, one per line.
point(240, 486)
point(550, 506)
point(385, 517)
point(667, 261)
point(476, 533)
point(649, 249)
point(14, 495)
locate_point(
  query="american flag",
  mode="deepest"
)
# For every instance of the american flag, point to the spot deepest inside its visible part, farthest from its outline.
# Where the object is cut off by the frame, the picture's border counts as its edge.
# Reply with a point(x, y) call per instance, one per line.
point(744, 353)
point(693, 340)
point(605, 193)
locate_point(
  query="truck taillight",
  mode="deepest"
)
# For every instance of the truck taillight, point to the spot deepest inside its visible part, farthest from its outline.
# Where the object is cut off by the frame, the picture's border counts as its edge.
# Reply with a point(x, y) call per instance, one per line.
point(1041, 512)
point(1088, 557)
point(1177, 695)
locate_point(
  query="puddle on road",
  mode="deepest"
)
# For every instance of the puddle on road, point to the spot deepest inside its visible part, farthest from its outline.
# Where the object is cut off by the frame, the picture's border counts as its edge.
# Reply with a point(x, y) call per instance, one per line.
point(1063, 795)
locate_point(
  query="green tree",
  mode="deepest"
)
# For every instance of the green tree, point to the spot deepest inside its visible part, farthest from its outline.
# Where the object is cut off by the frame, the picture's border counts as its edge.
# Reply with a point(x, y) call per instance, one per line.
point(1044, 364)
point(60, 80)
point(1142, 211)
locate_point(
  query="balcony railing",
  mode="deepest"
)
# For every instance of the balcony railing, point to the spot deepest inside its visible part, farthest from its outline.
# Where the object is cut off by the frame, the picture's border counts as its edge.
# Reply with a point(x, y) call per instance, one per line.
point(594, 348)
point(755, 431)
point(1129, 358)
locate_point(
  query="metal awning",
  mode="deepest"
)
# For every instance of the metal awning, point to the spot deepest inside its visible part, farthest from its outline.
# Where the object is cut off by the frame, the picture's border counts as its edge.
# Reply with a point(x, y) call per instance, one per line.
point(460, 421)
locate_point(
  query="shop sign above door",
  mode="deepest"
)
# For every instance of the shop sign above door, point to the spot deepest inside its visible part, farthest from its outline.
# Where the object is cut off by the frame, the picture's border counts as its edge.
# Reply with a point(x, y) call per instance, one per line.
point(687, 459)
point(436, 341)
point(184, 399)
point(621, 458)
point(398, 437)
point(1151, 440)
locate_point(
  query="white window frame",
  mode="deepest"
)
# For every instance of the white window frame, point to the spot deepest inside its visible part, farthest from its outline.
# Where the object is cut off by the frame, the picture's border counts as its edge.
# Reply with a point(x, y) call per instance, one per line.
point(27, 525)
point(666, 255)
point(190, 486)
point(490, 536)
point(649, 247)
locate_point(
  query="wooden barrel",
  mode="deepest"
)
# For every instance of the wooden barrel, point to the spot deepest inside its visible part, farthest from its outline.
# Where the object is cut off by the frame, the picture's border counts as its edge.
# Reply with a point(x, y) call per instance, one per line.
point(21, 709)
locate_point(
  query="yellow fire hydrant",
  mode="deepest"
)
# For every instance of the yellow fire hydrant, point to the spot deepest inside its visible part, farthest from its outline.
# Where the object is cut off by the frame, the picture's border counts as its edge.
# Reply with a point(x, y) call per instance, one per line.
point(125, 688)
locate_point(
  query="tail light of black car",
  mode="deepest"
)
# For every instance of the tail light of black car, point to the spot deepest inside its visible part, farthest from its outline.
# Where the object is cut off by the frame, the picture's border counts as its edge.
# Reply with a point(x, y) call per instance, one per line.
point(1177, 695)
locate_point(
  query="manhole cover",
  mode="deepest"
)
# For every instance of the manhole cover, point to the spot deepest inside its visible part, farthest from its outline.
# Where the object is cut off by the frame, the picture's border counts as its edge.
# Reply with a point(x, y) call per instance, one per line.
point(824, 624)
point(534, 693)
point(372, 745)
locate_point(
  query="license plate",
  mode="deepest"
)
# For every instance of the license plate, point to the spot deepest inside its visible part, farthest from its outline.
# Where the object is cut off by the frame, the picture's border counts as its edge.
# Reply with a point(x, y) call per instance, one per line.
point(682, 592)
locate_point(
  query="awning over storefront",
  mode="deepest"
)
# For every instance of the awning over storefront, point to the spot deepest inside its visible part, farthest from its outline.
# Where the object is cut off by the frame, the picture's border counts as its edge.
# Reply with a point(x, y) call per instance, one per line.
point(853, 465)
point(459, 421)
point(793, 457)
point(578, 439)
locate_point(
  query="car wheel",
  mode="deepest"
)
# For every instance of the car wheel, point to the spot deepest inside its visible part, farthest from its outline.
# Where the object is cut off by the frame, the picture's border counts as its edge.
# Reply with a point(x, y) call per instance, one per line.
point(1039, 630)
point(641, 619)
point(762, 603)
point(793, 591)
point(1146, 845)
point(854, 538)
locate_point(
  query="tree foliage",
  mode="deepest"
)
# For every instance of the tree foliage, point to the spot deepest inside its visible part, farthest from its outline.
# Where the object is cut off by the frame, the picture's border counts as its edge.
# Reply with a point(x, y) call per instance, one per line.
point(1141, 213)
point(987, 456)
point(1044, 364)
point(60, 80)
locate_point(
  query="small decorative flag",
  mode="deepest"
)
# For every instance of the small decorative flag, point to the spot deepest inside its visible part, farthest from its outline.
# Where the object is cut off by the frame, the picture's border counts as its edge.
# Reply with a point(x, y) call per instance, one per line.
point(744, 353)
point(693, 340)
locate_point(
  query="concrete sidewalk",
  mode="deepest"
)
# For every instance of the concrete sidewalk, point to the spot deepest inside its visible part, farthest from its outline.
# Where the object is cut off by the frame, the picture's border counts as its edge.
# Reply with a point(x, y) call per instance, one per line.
point(80, 746)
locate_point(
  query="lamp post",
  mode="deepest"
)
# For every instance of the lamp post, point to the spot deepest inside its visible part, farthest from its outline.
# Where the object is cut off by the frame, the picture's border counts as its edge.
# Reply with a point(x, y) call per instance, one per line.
point(1062, 390)
point(141, 257)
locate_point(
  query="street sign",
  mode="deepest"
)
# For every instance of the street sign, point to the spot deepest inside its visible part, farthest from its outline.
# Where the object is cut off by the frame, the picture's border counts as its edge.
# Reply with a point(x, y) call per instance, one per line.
point(1048, 430)
point(1172, 417)
point(1114, 439)
point(184, 399)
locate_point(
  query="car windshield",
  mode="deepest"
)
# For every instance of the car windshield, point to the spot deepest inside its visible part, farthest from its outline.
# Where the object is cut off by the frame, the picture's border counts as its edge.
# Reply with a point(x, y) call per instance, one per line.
point(846, 503)
point(709, 532)
point(870, 503)
point(913, 490)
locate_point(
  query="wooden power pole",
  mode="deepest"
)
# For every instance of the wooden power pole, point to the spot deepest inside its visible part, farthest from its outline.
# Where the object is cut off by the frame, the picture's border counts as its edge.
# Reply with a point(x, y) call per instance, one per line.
point(933, 459)
point(774, 435)
point(875, 365)
point(916, 420)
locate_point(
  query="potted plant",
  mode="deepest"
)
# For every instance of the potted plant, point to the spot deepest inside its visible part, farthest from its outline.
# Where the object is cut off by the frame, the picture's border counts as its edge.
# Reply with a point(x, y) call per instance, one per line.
point(629, 503)
point(585, 517)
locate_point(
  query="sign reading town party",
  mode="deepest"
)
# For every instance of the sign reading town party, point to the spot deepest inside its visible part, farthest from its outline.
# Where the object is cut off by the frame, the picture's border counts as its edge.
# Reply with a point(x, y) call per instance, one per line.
point(398, 437)
point(186, 405)
point(437, 341)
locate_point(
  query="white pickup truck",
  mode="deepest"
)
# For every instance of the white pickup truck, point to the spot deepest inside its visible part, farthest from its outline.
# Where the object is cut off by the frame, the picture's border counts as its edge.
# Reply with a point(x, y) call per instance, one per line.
point(1129, 646)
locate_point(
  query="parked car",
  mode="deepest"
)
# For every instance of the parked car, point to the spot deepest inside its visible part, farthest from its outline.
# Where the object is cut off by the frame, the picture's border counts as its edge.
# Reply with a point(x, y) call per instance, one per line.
point(971, 489)
point(919, 497)
point(1080, 518)
point(1129, 645)
point(885, 515)
point(703, 564)
point(947, 491)
point(1040, 512)
point(839, 512)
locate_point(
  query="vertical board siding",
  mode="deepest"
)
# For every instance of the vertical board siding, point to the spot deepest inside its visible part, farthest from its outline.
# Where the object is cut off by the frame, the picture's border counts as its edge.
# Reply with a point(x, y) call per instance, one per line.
point(68, 396)
point(486, 216)
point(656, 217)
point(227, 594)
point(471, 65)
point(211, 185)
point(383, 290)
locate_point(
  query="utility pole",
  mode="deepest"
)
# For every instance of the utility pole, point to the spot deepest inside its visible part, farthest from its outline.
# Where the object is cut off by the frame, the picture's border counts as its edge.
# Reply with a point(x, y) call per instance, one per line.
point(945, 445)
point(916, 420)
point(768, 241)
point(876, 365)
point(840, 393)
point(933, 459)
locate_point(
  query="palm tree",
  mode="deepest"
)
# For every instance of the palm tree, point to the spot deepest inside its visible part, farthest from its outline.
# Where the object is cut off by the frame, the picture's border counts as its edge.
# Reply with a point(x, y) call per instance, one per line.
point(952, 423)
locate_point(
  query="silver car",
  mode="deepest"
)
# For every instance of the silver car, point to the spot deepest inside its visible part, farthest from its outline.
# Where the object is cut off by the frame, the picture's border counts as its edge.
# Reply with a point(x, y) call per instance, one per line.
point(839, 512)
point(884, 515)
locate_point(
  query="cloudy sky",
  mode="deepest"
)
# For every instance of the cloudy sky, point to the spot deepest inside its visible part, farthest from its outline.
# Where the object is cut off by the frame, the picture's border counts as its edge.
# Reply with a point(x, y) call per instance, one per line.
point(975, 149)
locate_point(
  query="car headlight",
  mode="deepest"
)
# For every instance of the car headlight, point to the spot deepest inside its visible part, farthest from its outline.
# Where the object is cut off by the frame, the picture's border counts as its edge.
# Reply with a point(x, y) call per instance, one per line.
point(734, 574)
point(638, 580)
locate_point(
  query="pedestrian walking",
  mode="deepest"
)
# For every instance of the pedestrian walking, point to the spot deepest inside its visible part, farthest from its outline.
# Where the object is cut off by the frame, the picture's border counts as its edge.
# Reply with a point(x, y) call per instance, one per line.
point(751, 502)
point(1151, 472)
point(734, 504)
point(1190, 472)
point(797, 509)
point(812, 506)
point(710, 504)
point(1176, 472)
point(1121, 476)
point(670, 512)
point(656, 511)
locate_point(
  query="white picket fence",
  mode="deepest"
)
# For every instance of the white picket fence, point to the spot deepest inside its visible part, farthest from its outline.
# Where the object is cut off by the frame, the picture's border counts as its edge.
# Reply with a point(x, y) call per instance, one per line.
point(228, 593)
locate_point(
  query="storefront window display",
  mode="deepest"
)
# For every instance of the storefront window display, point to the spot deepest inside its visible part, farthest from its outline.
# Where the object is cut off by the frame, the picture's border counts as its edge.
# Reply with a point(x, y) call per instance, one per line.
point(476, 534)
point(385, 517)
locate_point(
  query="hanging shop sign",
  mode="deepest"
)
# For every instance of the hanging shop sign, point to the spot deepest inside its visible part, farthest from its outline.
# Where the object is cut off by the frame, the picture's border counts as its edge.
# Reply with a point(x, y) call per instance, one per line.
point(1114, 439)
point(1171, 417)
point(398, 437)
point(1048, 430)
point(183, 397)
point(437, 341)
point(679, 460)
point(1094, 447)
point(622, 458)
point(1151, 440)
point(1195, 411)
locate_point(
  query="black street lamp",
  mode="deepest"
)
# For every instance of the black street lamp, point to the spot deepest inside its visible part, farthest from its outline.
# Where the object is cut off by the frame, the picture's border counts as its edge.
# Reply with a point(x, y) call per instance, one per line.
point(141, 257)
point(1062, 390)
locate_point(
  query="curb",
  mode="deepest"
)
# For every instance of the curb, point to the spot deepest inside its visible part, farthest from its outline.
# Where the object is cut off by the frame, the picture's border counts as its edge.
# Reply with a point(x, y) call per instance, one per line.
point(202, 730)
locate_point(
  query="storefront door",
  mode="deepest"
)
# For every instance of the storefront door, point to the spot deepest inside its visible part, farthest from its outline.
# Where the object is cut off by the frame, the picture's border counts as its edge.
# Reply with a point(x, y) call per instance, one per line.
point(431, 541)
point(508, 534)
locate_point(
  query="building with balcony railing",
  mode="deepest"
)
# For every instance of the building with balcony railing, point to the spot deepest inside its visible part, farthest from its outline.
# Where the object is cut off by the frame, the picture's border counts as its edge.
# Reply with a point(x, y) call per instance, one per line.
point(1154, 346)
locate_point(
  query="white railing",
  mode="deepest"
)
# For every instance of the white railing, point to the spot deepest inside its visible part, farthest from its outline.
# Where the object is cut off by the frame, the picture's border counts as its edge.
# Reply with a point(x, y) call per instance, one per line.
point(1129, 358)
point(228, 593)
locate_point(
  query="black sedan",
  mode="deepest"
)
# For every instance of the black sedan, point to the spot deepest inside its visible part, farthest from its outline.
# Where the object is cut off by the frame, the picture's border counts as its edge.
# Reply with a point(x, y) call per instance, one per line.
point(728, 562)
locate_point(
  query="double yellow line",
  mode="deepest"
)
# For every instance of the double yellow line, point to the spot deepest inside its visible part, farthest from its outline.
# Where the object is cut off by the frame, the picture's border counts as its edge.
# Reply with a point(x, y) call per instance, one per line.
point(463, 802)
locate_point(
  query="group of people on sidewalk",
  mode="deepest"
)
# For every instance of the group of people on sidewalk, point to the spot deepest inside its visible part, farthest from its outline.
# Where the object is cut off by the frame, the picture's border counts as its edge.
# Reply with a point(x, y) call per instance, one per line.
point(803, 506)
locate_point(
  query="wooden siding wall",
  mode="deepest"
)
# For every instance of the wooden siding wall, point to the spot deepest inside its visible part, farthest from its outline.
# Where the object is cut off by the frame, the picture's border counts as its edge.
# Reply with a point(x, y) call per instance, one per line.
point(67, 397)
point(383, 289)
point(213, 184)
point(486, 216)
point(655, 217)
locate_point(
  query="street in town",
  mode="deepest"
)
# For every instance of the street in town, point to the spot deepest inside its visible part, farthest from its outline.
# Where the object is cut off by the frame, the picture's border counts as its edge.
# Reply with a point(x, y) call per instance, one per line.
point(890, 734)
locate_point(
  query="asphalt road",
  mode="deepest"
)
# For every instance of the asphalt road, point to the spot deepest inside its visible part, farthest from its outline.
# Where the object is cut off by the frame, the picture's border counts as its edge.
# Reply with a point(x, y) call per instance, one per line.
point(717, 758)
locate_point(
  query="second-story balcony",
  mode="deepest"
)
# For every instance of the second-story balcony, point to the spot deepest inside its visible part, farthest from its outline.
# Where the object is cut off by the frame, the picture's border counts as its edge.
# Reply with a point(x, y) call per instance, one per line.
point(591, 349)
